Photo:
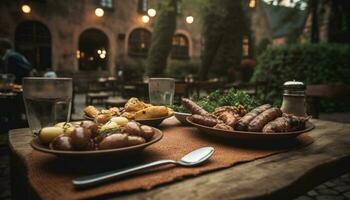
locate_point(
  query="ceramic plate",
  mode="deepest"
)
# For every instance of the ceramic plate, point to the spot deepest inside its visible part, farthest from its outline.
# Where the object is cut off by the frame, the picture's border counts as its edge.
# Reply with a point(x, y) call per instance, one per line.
point(245, 135)
point(37, 145)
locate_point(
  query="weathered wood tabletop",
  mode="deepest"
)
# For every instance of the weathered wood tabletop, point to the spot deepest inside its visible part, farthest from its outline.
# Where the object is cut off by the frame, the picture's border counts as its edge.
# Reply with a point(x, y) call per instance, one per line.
point(281, 176)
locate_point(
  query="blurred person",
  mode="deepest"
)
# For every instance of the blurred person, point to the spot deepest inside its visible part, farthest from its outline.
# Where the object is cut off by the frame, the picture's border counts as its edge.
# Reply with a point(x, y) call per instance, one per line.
point(13, 62)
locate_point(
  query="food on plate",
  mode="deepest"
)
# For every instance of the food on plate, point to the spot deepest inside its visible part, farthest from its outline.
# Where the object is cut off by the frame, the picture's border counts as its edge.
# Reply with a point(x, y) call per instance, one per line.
point(193, 107)
point(258, 123)
point(81, 139)
point(91, 111)
point(121, 121)
point(223, 126)
point(216, 99)
point(134, 104)
point(242, 124)
point(133, 109)
point(264, 118)
point(229, 114)
point(114, 141)
point(151, 112)
point(47, 134)
point(62, 142)
point(204, 120)
point(88, 135)
point(285, 123)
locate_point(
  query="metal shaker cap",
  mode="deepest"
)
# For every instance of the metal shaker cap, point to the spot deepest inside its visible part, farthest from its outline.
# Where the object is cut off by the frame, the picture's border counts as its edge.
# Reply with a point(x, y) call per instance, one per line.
point(294, 85)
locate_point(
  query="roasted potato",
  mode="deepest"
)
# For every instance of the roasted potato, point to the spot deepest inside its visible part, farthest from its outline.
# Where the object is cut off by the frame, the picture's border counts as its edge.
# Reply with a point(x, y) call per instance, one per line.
point(91, 111)
point(134, 104)
point(152, 112)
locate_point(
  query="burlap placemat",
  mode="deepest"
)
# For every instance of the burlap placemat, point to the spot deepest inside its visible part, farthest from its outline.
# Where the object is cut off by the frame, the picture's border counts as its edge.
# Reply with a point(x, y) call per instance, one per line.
point(51, 177)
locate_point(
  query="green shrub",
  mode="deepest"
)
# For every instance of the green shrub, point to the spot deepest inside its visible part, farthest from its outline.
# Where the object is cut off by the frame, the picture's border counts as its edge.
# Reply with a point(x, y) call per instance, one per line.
point(311, 63)
point(181, 68)
point(134, 69)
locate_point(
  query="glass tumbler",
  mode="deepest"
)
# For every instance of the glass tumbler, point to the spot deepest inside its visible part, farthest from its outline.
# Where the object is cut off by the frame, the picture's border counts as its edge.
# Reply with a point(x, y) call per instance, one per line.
point(161, 91)
point(47, 101)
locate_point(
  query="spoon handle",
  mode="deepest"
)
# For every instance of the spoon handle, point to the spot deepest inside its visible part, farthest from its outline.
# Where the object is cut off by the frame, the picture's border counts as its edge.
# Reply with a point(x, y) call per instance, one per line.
point(103, 177)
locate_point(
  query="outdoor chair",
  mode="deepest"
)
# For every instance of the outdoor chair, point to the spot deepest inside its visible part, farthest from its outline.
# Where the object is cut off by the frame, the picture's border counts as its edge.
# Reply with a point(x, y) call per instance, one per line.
point(317, 92)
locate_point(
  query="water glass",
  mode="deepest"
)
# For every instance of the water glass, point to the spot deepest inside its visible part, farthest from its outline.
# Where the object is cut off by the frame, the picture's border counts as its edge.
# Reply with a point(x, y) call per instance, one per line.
point(161, 91)
point(6, 80)
point(47, 101)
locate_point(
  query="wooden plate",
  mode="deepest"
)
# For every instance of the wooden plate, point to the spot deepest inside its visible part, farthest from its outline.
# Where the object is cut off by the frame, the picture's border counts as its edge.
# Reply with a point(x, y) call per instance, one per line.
point(37, 145)
point(246, 135)
point(149, 122)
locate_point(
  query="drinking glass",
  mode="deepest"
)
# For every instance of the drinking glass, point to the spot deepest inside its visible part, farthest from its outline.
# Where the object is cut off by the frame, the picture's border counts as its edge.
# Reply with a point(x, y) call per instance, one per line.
point(47, 101)
point(161, 91)
point(6, 80)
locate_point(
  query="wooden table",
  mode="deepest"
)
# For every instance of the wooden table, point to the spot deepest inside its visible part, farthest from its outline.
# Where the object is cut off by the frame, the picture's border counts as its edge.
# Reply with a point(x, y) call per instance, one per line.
point(281, 176)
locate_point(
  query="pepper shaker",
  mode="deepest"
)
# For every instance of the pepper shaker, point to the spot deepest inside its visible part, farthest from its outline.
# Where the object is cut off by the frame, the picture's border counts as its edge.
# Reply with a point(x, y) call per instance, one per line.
point(294, 98)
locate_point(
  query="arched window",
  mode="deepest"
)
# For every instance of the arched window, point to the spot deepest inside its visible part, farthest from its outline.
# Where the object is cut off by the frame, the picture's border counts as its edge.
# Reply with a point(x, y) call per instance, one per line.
point(33, 40)
point(180, 48)
point(139, 42)
point(93, 50)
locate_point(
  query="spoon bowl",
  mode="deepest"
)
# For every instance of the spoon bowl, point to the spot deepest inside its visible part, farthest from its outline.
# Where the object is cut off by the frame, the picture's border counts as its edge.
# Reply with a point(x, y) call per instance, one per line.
point(193, 158)
point(196, 157)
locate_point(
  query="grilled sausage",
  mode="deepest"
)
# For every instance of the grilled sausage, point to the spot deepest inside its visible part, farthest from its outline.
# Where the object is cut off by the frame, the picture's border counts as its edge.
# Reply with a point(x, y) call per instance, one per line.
point(285, 124)
point(193, 107)
point(242, 124)
point(280, 124)
point(263, 118)
point(204, 120)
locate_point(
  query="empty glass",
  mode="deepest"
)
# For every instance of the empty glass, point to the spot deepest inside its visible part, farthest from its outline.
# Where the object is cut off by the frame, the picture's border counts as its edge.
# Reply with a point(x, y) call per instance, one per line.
point(47, 101)
point(161, 91)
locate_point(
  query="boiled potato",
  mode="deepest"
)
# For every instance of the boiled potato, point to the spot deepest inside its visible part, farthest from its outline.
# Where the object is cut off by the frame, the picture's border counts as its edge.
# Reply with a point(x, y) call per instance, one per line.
point(109, 125)
point(68, 128)
point(114, 141)
point(132, 128)
point(135, 140)
point(121, 121)
point(62, 142)
point(147, 132)
point(47, 134)
point(81, 139)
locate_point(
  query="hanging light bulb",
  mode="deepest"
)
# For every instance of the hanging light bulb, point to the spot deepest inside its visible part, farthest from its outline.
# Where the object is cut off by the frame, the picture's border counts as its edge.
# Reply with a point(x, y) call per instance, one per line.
point(26, 8)
point(99, 12)
point(151, 12)
point(189, 19)
point(145, 19)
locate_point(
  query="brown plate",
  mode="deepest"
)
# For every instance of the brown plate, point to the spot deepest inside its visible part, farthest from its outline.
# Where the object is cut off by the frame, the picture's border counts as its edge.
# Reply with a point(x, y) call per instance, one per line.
point(37, 145)
point(149, 122)
point(182, 117)
point(246, 135)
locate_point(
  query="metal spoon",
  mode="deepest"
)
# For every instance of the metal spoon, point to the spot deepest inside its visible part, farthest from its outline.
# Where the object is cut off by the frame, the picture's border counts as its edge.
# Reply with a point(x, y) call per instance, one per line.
point(193, 158)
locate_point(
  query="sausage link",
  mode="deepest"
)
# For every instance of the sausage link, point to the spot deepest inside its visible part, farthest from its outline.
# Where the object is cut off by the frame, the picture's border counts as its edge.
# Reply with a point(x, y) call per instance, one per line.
point(203, 120)
point(263, 118)
point(242, 124)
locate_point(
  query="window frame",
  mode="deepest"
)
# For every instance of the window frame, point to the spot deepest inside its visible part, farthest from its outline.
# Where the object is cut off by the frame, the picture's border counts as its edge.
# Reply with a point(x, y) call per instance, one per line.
point(140, 36)
point(177, 50)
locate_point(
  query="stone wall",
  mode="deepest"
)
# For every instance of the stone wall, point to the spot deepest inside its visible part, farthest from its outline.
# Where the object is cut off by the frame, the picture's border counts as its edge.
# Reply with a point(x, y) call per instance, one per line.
point(67, 19)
